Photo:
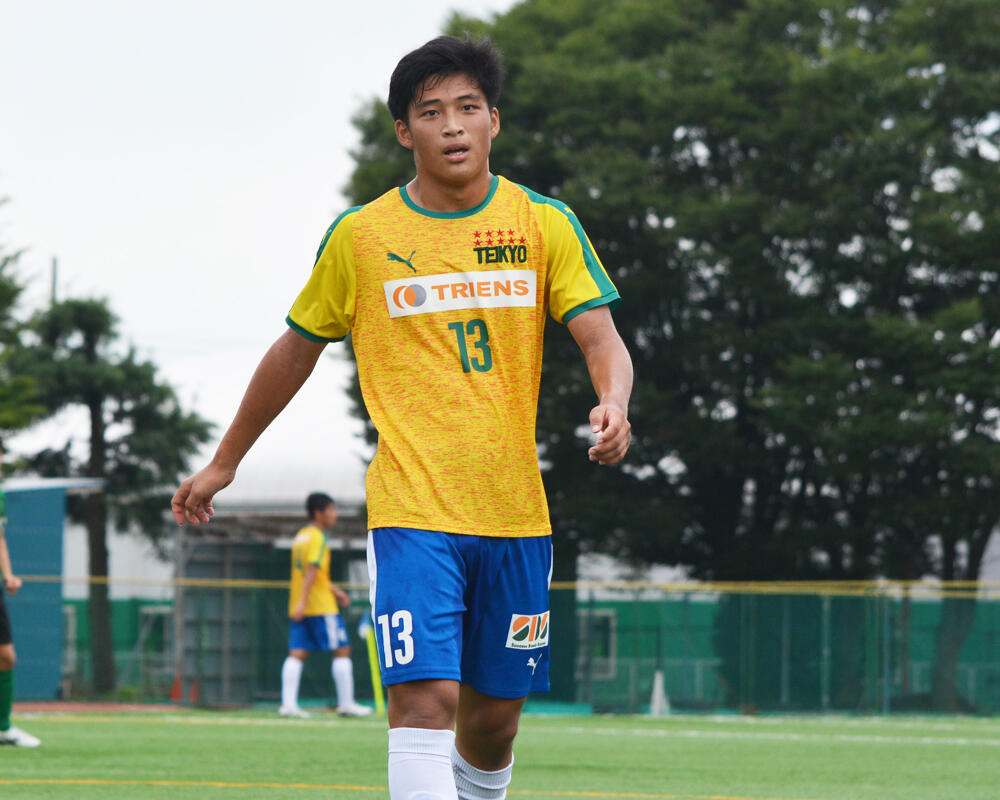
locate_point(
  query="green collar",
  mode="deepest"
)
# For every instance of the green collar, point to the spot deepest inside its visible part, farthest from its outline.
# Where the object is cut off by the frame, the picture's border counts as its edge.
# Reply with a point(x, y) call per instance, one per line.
point(451, 214)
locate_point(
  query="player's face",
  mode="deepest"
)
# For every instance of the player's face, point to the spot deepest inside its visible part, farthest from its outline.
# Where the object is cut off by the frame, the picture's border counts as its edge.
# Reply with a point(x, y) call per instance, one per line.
point(328, 516)
point(450, 130)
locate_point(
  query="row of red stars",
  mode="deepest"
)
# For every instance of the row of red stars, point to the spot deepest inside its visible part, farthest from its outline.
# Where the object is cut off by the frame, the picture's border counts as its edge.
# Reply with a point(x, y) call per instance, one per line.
point(500, 240)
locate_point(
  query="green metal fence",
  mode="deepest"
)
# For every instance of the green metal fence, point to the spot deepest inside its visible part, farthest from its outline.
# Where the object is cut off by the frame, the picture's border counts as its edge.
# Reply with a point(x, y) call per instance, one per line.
point(860, 647)
point(873, 648)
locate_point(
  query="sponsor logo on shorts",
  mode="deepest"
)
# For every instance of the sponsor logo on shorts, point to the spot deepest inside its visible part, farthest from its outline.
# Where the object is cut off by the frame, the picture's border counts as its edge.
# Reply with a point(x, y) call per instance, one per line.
point(528, 631)
point(502, 288)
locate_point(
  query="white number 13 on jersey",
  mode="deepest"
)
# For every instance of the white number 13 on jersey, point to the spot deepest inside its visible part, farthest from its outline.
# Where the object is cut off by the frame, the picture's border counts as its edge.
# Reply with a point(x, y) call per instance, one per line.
point(402, 623)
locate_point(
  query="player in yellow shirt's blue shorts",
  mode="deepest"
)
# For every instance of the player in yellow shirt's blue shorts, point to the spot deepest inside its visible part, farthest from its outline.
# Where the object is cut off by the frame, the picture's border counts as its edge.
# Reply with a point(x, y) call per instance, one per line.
point(444, 286)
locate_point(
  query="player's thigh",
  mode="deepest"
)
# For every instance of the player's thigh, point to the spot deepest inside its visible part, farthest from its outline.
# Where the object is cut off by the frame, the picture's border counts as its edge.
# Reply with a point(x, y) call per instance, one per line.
point(8, 657)
point(7, 654)
point(417, 587)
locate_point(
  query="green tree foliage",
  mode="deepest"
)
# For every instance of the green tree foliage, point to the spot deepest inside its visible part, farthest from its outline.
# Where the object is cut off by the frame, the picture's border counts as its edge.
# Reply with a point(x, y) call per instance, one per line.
point(140, 438)
point(18, 404)
point(799, 203)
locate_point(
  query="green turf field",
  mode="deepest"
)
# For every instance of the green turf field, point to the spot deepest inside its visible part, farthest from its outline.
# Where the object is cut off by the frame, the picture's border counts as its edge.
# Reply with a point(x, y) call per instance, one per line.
point(222, 755)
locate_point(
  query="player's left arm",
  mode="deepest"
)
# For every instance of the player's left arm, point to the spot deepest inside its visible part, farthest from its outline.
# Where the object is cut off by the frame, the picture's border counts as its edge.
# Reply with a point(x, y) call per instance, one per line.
point(610, 368)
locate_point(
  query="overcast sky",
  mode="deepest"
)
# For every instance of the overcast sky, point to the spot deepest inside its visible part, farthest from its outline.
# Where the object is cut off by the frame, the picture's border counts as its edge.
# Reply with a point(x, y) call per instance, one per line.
point(183, 159)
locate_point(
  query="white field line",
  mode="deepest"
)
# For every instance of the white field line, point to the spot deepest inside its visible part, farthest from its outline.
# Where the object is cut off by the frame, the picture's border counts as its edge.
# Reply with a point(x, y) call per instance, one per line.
point(528, 729)
point(821, 738)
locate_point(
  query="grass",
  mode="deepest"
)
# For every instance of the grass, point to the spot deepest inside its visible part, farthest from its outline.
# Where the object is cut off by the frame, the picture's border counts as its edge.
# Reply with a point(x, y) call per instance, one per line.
point(248, 755)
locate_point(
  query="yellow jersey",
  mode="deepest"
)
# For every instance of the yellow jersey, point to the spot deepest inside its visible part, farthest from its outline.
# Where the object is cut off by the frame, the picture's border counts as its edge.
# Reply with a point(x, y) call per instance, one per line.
point(311, 547)
point(446, 313)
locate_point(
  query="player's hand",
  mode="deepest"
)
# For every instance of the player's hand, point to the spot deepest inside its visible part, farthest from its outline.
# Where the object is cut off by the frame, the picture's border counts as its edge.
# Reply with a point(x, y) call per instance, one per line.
point(343, 599)
point(298, 612)
point(192, 502)
point(613, 431)
point(12, 584)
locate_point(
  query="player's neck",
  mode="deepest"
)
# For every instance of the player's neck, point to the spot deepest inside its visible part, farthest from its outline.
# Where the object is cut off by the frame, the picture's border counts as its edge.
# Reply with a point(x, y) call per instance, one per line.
point(442, 197)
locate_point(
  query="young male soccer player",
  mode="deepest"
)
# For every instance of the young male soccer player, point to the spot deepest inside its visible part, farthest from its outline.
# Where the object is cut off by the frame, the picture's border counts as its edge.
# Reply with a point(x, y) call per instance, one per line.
point(316, 624)
point(444, 285)
point(8, 733)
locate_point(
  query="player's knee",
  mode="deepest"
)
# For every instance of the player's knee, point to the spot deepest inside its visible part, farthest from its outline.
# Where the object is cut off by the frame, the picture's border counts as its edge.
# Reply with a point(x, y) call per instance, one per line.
point(493, 728)
point(486, 729)
point(499, 732)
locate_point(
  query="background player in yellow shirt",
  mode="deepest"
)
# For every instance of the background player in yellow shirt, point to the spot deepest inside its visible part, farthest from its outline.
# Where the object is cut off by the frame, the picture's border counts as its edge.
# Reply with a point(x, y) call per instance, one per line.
point(316, 623)
point(444, 285)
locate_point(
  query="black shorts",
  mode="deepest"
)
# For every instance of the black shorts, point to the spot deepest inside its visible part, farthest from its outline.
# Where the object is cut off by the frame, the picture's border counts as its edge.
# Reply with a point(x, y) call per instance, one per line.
point(5, 637)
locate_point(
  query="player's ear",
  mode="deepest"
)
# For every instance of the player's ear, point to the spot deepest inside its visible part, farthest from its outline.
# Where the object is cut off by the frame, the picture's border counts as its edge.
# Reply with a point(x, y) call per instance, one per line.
point(403, 134)
point(494, 122)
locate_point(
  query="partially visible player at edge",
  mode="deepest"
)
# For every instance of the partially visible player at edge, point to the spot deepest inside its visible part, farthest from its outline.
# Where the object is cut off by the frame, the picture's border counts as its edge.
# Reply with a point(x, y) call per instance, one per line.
point(8, 657)
point(444, 285)
point(314, 604)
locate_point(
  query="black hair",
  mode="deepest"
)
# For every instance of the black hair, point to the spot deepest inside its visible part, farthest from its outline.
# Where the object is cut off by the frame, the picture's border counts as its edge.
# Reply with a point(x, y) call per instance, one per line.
point(439, 58)
point(317, 501)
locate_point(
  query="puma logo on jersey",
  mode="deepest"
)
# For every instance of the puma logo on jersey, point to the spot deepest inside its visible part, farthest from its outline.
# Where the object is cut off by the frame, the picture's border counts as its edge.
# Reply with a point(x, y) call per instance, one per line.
point(401, 260)
point(534, 664)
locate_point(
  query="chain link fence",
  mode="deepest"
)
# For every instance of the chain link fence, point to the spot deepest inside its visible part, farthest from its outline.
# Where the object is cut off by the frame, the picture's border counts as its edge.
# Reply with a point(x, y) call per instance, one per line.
point(795, 647)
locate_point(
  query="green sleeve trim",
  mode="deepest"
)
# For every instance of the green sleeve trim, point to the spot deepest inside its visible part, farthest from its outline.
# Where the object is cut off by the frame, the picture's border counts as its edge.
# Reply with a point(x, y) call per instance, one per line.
point(611, 301)
point(330, 230)
point(451, 214)
point(319, 558)
point(597, 273)
point(312, 337)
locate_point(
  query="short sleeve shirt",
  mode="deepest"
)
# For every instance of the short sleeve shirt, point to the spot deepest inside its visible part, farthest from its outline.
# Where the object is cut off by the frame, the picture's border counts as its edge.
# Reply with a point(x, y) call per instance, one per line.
point(311, 547)
point(446, 313)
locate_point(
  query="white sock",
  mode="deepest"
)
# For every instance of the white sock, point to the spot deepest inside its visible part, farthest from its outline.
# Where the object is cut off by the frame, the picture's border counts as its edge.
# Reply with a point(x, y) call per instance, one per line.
point(291, 674)
point(476, 784)
point(420, 764)
point(343, 679)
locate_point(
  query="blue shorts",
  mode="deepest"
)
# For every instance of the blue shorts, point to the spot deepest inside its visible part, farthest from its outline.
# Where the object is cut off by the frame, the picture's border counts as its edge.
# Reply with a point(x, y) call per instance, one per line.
point(474, 609)
point(323, 633)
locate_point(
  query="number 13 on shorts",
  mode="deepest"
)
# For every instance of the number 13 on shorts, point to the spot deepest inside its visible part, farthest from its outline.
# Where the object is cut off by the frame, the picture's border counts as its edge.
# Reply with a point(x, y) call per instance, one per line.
point(400, 628)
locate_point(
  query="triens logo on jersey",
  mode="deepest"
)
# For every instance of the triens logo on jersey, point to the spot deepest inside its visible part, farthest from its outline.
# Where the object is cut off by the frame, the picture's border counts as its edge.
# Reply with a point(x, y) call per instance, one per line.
point(451, 291)
point(528, 631)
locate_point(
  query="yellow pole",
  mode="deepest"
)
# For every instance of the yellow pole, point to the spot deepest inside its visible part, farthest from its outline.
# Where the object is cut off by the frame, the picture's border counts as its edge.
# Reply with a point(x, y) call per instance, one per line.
point(373, 665)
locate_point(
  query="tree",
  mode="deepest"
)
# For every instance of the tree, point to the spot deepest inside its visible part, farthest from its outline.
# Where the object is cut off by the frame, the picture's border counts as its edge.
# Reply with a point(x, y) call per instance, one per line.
point(18, 404)
point(140, 439)
point(799, 204)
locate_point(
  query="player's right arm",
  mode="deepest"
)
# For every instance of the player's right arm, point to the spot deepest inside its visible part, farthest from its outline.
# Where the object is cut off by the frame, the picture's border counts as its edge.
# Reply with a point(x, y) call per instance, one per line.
point(280, 374)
